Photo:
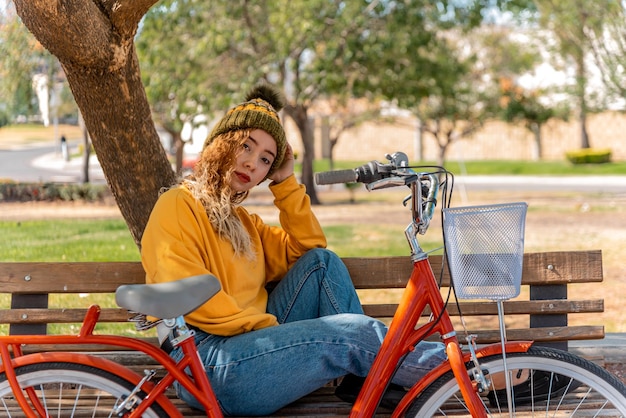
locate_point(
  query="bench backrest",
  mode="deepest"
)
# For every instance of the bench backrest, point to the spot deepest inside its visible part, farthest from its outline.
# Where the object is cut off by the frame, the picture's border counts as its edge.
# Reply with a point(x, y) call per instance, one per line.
point(541, 309)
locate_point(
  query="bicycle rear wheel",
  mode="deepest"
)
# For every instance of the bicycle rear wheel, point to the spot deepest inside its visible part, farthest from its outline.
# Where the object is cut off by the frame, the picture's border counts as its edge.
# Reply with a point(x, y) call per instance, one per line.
point(70, 390)
point(587, 390)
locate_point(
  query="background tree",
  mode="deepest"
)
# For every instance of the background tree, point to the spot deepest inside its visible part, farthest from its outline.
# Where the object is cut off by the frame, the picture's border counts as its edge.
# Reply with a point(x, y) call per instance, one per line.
point(214, 61)
point(516, 54)
point(317, 50)
point(526, 106)
point(451, 96)
point(337, 117)
point(608, 44)
point(569, 21)
point(184, 70)
point(21, 56)
point(448, 77)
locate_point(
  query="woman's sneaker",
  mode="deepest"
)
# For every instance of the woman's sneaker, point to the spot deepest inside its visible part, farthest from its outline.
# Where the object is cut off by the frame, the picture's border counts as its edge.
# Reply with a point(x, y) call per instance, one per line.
point(351, 385)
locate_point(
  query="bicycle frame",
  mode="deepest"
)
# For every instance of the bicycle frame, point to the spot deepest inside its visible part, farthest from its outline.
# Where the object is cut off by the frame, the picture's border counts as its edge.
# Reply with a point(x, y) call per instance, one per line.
point(198, 384)
point(403, 335)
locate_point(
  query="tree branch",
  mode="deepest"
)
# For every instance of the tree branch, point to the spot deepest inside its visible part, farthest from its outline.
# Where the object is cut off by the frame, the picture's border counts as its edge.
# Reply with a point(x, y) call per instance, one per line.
point(83, 32)
point(125, 15)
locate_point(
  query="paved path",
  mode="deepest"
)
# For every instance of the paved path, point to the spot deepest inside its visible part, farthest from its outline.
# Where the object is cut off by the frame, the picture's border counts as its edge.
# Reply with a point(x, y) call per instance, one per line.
point(45, 163)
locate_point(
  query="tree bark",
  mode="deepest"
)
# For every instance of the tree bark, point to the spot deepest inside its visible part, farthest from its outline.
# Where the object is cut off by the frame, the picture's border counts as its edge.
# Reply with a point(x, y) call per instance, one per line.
point(300, 116)
point(535, 128)
point(86, 149)
point(93, 41)
point(582, 90)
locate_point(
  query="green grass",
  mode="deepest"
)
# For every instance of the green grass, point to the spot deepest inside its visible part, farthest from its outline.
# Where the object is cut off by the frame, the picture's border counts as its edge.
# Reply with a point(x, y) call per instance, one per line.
point(67, 240)
point(372, 240)
point(73, 241)
point(503, 167)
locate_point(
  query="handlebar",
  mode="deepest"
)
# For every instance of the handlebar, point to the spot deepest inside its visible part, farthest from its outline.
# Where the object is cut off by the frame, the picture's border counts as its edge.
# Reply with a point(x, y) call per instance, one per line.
point(367, 173)
point(370, 173)
point(375, 175)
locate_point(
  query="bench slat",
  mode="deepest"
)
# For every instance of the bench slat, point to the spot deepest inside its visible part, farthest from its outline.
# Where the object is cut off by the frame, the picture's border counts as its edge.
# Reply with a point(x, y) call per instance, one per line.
point(545, 334)
point(60, 316)
point(79, 277)
point(27, 280)
point(519, 307)
point(368, 273)
point(566, 267)
point(552, 306)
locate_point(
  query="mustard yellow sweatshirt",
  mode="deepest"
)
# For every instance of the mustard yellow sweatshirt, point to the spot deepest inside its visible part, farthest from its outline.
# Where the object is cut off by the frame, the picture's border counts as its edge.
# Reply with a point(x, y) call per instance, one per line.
point(179, 241)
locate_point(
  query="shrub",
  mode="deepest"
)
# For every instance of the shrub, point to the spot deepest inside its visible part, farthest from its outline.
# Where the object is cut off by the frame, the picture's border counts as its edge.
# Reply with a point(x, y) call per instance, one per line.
point(11, 191)
point(589, 156)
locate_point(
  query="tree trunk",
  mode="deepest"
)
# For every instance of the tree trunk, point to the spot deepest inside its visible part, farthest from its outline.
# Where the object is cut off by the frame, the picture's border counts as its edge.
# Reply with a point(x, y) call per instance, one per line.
point(582, 84)
point(129, 150)
point(444, 139)
point(299, 115)
point(179, 146)
point(535, 128)
point(441, 156)
point(331, 159)
point(419, 140)
point(93, 40)
point(584, 136)
point(86, 148)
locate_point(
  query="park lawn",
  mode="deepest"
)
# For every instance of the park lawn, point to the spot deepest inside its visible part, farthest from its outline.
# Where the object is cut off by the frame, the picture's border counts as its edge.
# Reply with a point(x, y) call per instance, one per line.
point(68, 240)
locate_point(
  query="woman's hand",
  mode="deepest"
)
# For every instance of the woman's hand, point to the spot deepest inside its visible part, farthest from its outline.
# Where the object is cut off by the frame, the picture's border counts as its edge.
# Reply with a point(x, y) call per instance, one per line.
point(286, 168)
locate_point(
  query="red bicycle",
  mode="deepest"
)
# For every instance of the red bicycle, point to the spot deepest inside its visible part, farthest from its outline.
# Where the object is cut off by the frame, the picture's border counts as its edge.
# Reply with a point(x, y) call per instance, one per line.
point(557, 383)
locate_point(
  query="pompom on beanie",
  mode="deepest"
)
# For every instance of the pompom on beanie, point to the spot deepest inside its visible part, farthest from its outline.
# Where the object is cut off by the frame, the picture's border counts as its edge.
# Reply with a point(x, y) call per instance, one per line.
point(259, 111)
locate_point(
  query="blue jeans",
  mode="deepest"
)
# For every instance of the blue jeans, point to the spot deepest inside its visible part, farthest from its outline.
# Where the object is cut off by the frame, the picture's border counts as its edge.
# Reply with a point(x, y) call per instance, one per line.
point(323, 334)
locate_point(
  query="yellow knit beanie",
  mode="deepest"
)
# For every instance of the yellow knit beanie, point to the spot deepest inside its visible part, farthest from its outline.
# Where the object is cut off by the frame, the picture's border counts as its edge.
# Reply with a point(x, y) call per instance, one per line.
point(259, 111)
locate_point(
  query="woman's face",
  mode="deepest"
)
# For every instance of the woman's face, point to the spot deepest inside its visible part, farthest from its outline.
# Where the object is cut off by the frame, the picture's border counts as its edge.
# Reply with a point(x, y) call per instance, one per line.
point(254, 161)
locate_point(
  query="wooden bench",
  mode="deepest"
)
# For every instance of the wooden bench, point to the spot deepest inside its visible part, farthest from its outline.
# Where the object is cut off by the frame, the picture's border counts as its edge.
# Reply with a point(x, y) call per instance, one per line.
point(541, 311)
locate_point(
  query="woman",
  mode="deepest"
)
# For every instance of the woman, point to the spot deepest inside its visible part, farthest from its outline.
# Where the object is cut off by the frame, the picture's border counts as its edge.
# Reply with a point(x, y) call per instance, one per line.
point(263, 351)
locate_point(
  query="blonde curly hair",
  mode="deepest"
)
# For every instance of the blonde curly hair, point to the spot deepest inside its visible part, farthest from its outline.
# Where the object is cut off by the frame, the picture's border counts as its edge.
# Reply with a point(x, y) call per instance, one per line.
point(210, 185)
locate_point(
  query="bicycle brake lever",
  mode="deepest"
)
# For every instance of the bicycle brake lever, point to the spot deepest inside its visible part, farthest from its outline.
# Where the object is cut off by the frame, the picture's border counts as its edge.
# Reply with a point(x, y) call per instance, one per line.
point(406, 200)
point(394, 181)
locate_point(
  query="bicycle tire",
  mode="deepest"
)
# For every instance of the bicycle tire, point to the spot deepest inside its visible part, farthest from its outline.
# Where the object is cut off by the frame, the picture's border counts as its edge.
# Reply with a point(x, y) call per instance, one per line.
point(598, 393)
point(71, 390)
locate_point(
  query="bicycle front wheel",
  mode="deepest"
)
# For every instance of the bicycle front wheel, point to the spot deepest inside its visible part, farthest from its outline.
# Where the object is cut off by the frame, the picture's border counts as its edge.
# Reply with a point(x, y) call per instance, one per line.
point(564, 385)
point(70, 390)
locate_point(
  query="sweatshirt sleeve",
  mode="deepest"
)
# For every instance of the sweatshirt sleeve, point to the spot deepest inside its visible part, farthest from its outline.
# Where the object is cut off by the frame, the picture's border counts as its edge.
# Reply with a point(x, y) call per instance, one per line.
point(300, 230)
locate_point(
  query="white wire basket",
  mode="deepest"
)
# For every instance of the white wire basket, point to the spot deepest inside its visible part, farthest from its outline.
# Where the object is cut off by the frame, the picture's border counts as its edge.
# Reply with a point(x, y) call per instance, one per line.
point(485, 249)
